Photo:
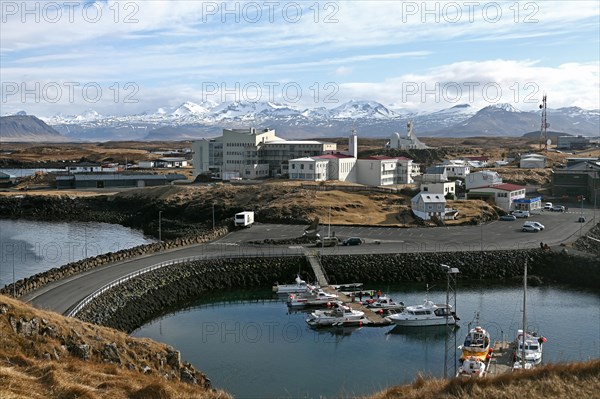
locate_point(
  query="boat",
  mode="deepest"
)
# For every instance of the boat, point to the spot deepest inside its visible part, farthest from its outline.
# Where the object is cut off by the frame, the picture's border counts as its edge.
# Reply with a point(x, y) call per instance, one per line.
point(532, 349)
point(427, 314)
point(528, 352)
point(313, 297)
point(339, 315)
point(347, 286)
point(477, 344)
point(472, 367)
point(384, 303)
point(299, 286)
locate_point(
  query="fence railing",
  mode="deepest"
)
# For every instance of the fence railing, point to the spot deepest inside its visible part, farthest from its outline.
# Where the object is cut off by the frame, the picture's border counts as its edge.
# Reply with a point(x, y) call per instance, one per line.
point(88, 299)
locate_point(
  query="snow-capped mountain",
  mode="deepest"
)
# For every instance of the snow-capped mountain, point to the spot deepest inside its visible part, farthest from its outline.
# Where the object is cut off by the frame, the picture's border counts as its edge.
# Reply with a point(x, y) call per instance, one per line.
point(191, 120)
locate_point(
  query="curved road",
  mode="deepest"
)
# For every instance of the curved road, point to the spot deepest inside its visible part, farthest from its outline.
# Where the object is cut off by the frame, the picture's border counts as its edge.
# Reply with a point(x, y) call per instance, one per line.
point(60, 296)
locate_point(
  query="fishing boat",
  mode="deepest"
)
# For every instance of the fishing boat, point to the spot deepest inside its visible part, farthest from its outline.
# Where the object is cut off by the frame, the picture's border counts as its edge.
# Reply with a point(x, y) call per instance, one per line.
point(313, 297)
point(477, 344)
point(299, 286)
point(339, 315)
point(427, 314)
point(472, 367)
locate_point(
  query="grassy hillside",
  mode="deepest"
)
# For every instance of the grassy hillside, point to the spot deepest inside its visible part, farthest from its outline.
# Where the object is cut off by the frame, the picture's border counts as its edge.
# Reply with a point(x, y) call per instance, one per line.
point(46, 355)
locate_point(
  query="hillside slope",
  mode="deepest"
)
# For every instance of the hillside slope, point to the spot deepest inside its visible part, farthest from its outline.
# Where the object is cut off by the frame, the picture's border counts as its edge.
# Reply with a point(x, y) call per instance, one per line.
point(27, 128)
point(46, 355)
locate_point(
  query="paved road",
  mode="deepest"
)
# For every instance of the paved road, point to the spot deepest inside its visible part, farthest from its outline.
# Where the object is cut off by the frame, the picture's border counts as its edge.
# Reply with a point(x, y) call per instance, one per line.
point(64, 294)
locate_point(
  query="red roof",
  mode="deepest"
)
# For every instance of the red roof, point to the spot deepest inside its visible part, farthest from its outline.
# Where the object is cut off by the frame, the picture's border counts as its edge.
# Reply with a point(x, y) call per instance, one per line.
point(505, 187)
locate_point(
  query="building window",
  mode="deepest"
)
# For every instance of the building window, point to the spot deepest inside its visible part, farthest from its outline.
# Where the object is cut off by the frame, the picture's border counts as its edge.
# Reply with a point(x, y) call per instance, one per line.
point(301, 166)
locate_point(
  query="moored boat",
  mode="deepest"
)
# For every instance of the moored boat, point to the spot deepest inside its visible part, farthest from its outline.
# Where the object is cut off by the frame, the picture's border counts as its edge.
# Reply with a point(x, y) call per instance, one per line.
point(532, 349)
point(472, 367)
point(339, 315)
point(427, 314)
point(384, 303)
point(313, 297)
point(299, 286)
point(477, 343)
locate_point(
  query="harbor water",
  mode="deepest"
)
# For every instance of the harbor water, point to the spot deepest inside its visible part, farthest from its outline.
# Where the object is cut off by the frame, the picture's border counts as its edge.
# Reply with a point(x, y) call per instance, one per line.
point(252, 346)
point(30, 247)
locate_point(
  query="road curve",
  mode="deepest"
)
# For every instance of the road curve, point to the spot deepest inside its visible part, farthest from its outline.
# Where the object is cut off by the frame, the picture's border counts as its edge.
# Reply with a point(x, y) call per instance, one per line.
point(61, 295)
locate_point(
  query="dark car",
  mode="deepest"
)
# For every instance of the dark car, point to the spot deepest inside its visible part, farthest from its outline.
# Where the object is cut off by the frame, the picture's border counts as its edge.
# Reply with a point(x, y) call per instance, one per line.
point(353, 241)
point(508, 217)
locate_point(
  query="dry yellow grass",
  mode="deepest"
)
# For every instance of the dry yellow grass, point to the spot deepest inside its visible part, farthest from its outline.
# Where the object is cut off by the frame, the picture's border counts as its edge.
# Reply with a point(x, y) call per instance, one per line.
point(39, 366)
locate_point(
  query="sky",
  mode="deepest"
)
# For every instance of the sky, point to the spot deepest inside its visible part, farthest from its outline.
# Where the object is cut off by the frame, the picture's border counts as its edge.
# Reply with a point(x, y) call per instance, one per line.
point(128, 57)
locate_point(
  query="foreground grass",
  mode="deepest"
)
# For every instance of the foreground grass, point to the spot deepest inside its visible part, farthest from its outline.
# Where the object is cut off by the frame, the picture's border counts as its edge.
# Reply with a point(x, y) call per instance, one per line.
point(576, 380)
point(37, 364)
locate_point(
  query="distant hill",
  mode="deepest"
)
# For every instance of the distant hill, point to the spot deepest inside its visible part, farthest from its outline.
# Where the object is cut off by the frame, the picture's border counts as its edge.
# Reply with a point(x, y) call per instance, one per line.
point(27, 128)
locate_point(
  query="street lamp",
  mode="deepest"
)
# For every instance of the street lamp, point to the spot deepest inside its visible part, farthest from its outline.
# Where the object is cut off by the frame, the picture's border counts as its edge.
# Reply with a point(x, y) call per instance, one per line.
point(159, 226)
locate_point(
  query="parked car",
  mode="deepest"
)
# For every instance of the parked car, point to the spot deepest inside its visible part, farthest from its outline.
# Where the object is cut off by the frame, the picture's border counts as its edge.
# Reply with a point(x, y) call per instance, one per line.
point(521, 214)
point(327, 242)
point(548, 206)
point(535, 224)
point(530, 228)
point(508, 217)
point(353, 241)
point(558, 208)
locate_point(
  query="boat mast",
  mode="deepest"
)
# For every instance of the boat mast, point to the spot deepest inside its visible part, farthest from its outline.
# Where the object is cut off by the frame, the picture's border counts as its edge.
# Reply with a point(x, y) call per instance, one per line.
point(524, 315)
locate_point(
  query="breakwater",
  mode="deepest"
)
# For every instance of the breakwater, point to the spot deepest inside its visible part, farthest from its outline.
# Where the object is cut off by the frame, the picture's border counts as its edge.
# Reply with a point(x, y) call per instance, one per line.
point(133, 303)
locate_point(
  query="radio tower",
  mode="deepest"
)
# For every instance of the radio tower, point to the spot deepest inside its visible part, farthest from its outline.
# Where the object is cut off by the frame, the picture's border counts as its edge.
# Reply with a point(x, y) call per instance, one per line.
point(545, 125)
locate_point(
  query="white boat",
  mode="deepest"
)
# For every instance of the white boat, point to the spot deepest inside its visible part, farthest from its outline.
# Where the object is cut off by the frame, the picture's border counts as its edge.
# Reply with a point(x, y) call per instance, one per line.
point(299, 286)
point(477, 344)
point(532, 350)
point(472, 367)
point(427, 314)
point(313, 297)
point(384, 303)
point(339, 315)
point(528, 352)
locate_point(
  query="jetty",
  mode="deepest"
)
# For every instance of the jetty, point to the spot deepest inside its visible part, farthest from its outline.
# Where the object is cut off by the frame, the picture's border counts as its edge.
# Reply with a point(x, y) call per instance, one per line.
point(502, 358)
point(371, 318)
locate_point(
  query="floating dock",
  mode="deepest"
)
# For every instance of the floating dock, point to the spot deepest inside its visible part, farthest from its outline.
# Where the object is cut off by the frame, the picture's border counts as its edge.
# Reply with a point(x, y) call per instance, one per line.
point(371, 318)
point(502, 358)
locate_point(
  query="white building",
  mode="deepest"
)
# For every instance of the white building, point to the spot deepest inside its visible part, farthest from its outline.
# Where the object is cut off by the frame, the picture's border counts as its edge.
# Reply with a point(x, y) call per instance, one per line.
point(405, 143)
point(435, 174)
point(171, 162)
point(532, 161)
point(503, 195)
point(426, 205)
point(444, 188)
point(456, 168)
point(250, 154)
point(382, 170)
point(482, 178)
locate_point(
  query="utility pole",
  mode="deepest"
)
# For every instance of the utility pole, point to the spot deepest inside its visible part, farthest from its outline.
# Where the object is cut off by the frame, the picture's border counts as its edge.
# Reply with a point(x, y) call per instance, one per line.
point(213, 209)
point(451, 273)
point(159, 226)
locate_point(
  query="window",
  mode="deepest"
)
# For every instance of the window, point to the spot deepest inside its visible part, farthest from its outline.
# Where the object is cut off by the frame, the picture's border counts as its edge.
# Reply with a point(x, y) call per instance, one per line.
point(302, 166)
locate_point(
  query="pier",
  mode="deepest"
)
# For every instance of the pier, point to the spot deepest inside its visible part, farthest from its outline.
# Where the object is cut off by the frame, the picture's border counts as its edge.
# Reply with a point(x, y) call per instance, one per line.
point(502, 358)
point(372, 318)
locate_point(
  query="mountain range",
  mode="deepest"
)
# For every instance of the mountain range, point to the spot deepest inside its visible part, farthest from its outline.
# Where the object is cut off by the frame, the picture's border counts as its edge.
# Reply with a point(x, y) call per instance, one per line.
point(370, 118)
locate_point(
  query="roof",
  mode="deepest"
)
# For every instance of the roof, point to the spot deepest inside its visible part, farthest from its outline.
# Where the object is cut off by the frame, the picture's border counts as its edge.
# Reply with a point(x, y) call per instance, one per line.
point(333, 156)
point(502, 187)
point(172, 159)
point(435, 170)
point(429, 197)
point(385, 158)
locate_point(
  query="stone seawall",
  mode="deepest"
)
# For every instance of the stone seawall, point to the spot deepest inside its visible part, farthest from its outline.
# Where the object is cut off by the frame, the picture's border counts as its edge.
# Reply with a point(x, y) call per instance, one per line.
point(28, 284)
point(137, 301)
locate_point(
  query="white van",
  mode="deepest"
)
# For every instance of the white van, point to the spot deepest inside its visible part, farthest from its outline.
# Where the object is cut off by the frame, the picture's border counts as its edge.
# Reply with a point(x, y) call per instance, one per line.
point(521, 214)
point(536, 224)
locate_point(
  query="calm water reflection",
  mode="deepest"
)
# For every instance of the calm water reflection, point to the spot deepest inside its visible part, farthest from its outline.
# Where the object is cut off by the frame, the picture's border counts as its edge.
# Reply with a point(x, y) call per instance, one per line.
point(259, 349)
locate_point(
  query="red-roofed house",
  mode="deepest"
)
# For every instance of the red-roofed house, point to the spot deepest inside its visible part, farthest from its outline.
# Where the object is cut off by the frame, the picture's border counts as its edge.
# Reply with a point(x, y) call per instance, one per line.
point(334, 166)
point(503, 194)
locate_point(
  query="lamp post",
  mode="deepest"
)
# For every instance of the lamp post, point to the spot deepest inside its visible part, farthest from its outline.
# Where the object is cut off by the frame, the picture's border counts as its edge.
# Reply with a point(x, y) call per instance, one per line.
point(159, 226)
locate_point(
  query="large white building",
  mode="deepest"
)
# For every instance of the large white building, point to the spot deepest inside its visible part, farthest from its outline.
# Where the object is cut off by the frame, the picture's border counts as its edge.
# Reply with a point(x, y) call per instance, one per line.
point(532, 161)
point(405, 143)
point(504, 195)
point(482, 178)
point(251, 153)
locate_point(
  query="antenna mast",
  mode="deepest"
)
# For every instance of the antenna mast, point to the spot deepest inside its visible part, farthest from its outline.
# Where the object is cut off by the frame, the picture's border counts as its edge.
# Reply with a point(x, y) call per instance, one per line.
point(545, 125)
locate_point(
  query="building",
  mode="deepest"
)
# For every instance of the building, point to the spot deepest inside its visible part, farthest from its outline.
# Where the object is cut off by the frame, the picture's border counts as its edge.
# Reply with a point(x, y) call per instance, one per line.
point(7, 180)
point(146, 164)
point(171, 162)
point(579, 179)
point(528, 204)
point(482, 178)
point(503, 195)
point(84, 167)
point(444, 188)
point(380, 170)
point(434, 174)
point(251, 154)
point(425, 206)
point(456, 168)
point(532, 161)
point(405, 143)
point(477, 161)
point(113, 180)
point(573, 142)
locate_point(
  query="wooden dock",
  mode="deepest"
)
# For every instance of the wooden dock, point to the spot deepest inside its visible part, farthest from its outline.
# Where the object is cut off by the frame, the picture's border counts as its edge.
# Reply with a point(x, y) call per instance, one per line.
point(502, 358)
point(372, 318)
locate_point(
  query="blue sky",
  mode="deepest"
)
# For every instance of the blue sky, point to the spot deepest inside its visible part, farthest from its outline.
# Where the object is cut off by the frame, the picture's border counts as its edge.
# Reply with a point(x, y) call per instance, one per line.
point(131, 56)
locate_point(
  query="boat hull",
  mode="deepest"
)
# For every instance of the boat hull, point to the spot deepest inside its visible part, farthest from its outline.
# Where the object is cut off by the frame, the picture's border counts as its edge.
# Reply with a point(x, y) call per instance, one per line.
point(400, 320)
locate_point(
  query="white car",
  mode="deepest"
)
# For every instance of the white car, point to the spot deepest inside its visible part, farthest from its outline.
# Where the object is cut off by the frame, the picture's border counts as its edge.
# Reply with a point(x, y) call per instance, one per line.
point(530, 228)
point(521, 214)
point(535, 224)
point(548, 206)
